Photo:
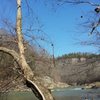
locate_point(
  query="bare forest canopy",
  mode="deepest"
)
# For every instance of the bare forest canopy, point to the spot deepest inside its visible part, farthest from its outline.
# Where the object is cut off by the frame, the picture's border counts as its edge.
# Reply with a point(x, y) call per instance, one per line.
point(79, 55)
point(9, 40)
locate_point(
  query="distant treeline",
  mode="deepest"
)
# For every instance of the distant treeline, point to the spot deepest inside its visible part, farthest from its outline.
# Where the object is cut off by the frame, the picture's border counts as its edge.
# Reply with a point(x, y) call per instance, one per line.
point(79, 55)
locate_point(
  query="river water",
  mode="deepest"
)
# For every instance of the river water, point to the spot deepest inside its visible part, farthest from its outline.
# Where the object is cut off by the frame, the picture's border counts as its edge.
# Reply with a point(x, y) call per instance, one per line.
point(77, 94)
point(59, 94)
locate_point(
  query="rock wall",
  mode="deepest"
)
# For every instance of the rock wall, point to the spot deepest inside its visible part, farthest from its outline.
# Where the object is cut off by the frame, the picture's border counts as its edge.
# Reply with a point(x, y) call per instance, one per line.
point(77, 70)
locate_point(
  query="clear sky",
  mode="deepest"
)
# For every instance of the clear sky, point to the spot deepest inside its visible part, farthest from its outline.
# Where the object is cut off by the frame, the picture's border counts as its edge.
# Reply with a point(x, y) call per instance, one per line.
point(62, 26)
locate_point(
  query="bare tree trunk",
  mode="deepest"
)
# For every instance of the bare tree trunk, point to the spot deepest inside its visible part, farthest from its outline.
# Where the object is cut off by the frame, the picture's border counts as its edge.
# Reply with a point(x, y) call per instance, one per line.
point(37, 87)
point(26, 69)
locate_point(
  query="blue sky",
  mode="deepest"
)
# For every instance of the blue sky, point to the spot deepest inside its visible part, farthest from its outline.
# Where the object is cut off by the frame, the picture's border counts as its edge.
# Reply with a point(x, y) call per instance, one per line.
point(61, 26)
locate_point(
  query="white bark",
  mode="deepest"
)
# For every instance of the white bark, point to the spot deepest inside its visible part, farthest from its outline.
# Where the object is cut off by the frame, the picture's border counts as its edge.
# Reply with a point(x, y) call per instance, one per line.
point(25, 66)
point(35, 85)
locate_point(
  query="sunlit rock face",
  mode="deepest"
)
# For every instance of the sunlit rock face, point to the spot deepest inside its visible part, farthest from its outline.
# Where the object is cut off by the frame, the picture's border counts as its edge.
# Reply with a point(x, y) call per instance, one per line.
point(82, 59)
point(78, 60)
point(75, 60)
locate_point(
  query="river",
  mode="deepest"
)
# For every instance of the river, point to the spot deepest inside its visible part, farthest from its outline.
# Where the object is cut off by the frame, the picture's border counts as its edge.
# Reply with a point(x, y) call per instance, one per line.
point(59, 94)
point(77, 94)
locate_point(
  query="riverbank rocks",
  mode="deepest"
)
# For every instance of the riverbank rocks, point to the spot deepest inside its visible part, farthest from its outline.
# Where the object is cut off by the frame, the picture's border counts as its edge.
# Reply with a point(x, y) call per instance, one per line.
point(92, 85)
point(59, 85)
point(51, 84)
point(97, 84)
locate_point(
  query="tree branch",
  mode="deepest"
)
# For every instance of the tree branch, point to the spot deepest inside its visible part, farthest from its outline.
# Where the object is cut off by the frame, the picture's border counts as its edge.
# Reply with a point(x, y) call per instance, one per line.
point(77, 2)
point(34, 83)
point(10, 52)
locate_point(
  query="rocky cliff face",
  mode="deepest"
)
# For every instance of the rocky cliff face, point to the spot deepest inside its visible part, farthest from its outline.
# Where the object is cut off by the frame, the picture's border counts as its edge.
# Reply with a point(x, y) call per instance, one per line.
point(77, 70)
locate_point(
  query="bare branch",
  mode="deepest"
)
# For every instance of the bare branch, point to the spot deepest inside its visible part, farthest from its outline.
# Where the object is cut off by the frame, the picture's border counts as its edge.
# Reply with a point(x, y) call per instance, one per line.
point(77, 2)
point(14, 54)
point(95, 26)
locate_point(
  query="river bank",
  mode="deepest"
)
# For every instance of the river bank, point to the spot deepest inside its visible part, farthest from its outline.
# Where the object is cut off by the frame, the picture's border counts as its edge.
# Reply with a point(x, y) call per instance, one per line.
point(50, 84)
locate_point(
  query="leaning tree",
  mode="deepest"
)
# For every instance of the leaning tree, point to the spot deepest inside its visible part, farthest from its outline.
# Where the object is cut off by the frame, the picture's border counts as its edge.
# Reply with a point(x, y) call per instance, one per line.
point(28, 75)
